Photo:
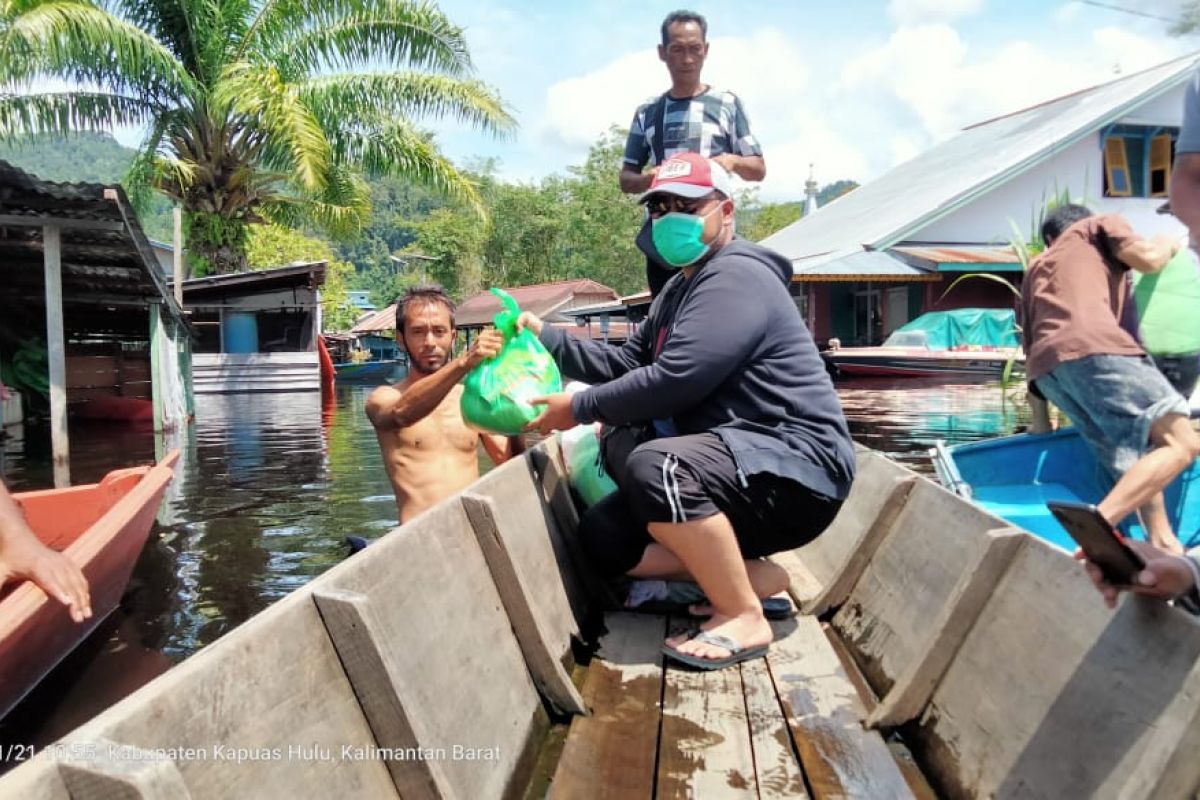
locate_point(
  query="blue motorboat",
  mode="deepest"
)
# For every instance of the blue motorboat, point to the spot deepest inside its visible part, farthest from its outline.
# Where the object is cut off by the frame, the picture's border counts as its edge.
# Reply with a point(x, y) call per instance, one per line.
point(371, 372)
point(1014, 476)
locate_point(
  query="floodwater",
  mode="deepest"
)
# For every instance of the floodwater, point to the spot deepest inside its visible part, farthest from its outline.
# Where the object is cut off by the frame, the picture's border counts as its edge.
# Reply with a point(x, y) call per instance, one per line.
point(267, 490)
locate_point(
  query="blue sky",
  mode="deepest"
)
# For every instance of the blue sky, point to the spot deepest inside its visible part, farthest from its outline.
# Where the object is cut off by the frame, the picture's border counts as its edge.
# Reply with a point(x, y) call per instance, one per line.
point(853, 88)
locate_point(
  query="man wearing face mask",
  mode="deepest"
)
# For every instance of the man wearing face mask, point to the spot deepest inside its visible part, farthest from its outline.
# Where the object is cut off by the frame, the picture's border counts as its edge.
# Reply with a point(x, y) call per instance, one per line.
point(750, 452)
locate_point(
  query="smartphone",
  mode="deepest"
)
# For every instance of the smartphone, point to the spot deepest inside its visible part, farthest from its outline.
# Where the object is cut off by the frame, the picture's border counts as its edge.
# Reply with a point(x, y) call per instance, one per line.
point(1102, 545)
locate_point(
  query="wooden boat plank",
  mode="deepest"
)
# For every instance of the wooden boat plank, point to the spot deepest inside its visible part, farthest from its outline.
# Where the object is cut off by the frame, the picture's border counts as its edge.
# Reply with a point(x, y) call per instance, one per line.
point(445, 634)
point(1053, 695)
point(910, 582)
point(350, 622)
point(776, 766)
point(37, 778)
point(704, 749)
point(840, 757)
point(103, 770)
point(244, 702)
point(611, 753)
point(528, 595)
point(914, 685)
point(838, 550)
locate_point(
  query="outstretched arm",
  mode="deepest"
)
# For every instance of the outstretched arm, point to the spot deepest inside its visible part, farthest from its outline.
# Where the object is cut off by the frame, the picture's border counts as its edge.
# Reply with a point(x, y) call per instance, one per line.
point(389, 408)
point(22, 555)
point(1149, 255)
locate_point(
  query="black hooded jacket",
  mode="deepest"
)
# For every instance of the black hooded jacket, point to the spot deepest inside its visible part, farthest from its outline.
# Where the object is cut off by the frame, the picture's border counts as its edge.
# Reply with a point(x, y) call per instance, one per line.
point(723, 351)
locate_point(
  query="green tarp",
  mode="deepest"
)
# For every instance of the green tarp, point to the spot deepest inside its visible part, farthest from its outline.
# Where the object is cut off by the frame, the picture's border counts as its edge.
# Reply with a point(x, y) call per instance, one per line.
point(991, 327)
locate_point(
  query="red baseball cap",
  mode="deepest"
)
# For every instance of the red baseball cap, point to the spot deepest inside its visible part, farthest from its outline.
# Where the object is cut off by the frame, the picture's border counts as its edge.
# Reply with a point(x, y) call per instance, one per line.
point(689, 175)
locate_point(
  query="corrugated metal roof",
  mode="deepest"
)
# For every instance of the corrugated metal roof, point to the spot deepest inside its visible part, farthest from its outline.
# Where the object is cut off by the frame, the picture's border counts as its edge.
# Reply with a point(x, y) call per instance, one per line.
point(542, 299)
point(106, 258)
point(309, 274)
point(867, 265)
point(918, 192)
point(382, 320)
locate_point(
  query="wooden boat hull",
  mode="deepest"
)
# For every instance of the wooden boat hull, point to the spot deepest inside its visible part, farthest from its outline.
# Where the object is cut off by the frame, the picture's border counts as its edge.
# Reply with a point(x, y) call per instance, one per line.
point(899, 362)
point(102, 527)
point(1014, 476)
point(422, 666)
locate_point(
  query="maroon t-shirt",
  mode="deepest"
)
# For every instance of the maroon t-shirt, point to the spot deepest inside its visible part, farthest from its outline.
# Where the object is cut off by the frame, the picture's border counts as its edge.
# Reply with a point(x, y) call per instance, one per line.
point(1073, 296)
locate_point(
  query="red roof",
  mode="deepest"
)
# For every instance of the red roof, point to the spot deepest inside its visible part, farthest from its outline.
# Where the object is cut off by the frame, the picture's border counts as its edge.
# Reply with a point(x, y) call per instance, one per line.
point(542, 299)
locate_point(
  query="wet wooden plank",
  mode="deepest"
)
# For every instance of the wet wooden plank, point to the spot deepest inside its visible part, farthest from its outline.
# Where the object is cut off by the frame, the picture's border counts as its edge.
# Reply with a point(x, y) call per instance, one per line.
point(348, 618)
point(840, 757)
point(705, 748)
point(611, 753)
point(105, 770)
point(528, 596)
point(775, 763)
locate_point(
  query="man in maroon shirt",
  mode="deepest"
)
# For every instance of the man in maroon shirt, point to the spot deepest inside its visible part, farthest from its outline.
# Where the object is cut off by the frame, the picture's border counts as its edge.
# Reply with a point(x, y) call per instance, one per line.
point(1080, 358)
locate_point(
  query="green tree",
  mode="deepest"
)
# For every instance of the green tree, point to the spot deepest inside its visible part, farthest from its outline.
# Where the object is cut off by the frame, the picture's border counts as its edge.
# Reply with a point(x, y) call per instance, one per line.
point(275, 246)
point(454, 237)
point(253, 109)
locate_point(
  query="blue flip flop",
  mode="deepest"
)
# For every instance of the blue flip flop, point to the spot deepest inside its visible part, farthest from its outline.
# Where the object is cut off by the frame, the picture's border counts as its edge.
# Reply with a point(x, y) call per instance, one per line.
point(737, 653)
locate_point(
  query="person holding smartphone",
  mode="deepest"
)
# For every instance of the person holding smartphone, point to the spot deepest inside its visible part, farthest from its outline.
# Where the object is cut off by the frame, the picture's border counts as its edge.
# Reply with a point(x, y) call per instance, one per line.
point(1164, 576)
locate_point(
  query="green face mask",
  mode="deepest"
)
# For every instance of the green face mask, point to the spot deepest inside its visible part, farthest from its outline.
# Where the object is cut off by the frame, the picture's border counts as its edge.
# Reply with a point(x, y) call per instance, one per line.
point(677, 237)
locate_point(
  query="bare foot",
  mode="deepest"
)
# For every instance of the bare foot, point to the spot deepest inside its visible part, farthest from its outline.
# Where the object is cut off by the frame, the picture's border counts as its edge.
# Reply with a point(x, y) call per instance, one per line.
point(750, 630)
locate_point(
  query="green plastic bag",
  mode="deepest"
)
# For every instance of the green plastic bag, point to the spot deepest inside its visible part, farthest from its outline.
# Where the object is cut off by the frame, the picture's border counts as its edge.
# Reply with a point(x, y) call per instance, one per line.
point(496, 393)
point(585, 465)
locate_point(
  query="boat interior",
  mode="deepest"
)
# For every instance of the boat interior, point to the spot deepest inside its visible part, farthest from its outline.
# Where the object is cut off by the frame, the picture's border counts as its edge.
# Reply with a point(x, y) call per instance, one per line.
point(470, 653)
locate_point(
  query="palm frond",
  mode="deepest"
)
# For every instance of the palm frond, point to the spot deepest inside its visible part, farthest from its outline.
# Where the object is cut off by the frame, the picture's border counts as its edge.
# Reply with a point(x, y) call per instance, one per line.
point(343, 210)
point(85, 44)
point(341, 99)
point(277, 109)
point(303, 38)
point(58, 112)
point(398, 148)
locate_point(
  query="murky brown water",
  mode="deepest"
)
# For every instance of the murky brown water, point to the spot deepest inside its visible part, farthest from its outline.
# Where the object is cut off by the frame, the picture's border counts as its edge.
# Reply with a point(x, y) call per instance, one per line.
point(268, 488)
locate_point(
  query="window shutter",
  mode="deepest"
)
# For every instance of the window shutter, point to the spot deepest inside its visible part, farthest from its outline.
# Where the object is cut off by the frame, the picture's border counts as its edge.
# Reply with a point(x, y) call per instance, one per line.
point(1116, 168)
point(1160, 165)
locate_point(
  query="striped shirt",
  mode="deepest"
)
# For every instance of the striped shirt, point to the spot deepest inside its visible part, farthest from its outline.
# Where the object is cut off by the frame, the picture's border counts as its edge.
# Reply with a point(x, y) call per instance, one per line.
point(711, 124)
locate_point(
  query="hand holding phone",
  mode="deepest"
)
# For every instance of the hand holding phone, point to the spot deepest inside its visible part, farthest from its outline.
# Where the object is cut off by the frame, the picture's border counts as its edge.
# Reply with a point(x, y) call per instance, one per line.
point(1102, 545)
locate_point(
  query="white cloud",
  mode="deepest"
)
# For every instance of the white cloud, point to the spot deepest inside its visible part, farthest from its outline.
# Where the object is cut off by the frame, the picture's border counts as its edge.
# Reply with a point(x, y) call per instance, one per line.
point(858, 115)
point(913, 12)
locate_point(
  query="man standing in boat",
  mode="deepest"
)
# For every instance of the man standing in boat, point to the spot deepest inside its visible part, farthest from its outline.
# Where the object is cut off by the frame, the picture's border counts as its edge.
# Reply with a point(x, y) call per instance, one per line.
point(1095, 371)
point(428, 451)
point(748, 451)
point(690, 117)
point(23, 556)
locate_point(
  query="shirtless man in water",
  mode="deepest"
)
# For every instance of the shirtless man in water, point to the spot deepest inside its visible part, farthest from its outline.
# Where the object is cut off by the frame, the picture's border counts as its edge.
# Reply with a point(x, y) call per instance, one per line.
point(428, 451)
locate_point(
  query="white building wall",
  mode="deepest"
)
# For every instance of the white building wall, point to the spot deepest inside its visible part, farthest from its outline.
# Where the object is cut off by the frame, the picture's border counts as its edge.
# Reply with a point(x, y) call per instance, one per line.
point(988, 219)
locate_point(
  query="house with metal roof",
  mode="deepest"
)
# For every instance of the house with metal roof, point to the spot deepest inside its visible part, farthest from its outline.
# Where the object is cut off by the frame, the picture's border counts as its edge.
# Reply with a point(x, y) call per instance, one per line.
point(876, 257)
point(87, 323)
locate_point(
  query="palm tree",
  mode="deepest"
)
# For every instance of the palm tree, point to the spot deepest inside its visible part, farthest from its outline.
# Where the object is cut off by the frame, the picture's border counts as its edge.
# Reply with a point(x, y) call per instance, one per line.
point(252, 110)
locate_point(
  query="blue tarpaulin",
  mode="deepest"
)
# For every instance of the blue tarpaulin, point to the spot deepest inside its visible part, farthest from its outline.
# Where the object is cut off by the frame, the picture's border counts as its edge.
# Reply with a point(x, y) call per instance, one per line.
point(959, 327)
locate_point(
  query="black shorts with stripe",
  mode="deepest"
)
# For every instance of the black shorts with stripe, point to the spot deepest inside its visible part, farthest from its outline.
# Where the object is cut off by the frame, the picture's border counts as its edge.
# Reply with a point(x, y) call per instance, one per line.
point(686, 478)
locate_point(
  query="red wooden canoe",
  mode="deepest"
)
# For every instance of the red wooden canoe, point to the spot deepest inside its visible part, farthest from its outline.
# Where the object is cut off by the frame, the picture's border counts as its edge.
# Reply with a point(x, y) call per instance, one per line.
point(102, 527)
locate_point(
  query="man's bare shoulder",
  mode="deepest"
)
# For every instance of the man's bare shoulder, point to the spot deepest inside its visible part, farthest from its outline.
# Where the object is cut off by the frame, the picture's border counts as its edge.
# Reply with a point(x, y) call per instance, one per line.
point(380, 402)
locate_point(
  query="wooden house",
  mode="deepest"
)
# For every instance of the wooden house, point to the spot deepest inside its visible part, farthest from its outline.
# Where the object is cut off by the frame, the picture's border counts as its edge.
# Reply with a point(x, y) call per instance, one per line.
point(87, 322)
point(881, 255)
point(257, 331)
